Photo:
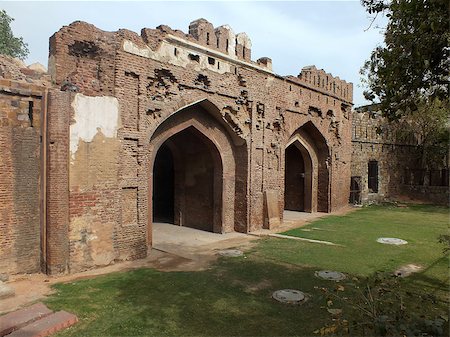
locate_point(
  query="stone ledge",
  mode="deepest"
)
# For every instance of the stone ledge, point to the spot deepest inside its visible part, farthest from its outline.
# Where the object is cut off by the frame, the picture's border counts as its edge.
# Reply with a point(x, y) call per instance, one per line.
point(47, 325)
point(17, 319)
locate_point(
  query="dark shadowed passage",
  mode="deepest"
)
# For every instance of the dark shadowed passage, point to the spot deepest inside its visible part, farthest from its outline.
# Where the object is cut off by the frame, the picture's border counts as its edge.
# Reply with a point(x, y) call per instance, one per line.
point(163, 186)
point(294, 184)
point(187, 181)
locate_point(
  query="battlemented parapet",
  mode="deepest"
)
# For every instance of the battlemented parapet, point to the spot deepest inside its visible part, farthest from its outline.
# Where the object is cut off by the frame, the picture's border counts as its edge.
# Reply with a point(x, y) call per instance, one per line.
point(221, 38)
point(325, 82)
point(205, 48)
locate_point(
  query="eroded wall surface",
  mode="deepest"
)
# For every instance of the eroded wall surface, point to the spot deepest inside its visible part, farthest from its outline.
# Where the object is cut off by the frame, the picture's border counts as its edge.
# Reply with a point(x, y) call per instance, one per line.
point(20, 192)
point(94, 194)
point(76, 190)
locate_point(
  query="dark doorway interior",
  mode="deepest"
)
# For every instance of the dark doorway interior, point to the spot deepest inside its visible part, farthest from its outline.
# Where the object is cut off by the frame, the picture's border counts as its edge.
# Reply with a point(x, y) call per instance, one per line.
point(163, 186)
point(187, 182)
point(294, 181)
point(373, 176)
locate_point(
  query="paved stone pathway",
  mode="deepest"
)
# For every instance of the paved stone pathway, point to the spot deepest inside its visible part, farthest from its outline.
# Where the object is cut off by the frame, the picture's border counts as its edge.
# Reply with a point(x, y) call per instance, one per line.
point(281, 236)
point(35, 321)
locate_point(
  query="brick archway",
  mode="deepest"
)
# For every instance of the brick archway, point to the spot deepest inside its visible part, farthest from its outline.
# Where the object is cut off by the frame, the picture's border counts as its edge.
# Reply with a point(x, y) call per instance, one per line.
point(310, 163)
point(216, 138)
point(312, 146)
point(299, 192)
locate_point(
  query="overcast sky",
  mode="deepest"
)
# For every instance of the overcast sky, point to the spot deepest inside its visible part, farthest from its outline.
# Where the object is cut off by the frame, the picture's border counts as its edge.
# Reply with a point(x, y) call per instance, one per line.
point(294, 34)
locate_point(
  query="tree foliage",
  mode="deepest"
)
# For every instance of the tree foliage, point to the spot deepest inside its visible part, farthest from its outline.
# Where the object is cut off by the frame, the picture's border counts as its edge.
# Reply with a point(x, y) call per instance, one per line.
point(415, 58)
point(428, 125)
point(9, 44)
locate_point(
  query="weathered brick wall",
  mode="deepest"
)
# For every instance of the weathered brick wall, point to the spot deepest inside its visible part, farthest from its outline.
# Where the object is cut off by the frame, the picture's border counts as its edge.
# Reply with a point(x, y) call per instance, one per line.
point(84, 58)
point(435, 194)
point(227, 120)
point(374, 139)
point(247, 112)
point(20, 192)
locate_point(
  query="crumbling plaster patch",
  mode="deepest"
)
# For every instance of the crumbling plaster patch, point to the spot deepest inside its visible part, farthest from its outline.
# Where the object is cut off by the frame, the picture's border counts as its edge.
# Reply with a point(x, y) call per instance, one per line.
point(165, 53)
point(93, 115)
point(92, 241)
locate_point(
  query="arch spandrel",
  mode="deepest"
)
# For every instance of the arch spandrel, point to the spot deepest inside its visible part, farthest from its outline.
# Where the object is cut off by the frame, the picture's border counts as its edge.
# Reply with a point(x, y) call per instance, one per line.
point(313, 135)
point(210, 106)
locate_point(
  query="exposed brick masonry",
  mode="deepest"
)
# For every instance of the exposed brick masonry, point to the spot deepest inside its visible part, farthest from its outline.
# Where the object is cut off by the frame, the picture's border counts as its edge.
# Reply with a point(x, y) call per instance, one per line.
point(20, 131)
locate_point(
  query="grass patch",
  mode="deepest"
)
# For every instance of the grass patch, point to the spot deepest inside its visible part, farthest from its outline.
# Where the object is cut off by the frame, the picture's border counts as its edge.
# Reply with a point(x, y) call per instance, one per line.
point(358, 231)
point(233, 297)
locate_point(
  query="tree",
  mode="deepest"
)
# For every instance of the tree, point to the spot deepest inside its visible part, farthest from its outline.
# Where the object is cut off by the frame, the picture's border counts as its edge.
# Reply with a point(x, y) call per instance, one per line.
point(9, 44)
point(428, 124)
point(415, 58)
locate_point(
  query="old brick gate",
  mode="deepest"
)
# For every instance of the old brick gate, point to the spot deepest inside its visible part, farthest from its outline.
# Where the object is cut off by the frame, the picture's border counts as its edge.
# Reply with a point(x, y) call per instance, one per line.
point(168, 126)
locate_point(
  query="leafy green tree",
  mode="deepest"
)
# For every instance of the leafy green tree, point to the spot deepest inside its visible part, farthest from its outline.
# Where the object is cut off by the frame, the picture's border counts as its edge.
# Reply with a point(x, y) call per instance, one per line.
point(415, 58)
point(9, 44)
point(429, 125)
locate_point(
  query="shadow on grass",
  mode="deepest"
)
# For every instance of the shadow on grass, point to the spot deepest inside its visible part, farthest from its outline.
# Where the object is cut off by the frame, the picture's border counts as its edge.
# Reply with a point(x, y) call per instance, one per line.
point(233, 298)
point(425, 282)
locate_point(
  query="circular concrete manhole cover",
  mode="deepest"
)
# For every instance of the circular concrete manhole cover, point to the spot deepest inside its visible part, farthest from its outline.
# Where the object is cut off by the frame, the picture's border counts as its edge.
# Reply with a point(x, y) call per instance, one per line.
point(392, 241)
point(230, 252)
point(289, 296)
point(330, 275)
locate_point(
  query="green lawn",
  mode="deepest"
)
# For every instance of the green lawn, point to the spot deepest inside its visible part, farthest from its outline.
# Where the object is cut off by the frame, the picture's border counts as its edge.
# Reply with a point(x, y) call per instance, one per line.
point(358, 231)
point(233, 297)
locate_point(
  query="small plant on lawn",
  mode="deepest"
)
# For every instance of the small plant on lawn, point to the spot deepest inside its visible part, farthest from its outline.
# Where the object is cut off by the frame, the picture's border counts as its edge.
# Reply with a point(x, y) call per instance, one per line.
point(381, 307)
point(445, 240)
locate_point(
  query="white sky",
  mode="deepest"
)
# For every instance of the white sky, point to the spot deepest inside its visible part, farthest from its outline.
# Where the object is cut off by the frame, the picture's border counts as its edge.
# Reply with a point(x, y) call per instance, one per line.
point(294, 34)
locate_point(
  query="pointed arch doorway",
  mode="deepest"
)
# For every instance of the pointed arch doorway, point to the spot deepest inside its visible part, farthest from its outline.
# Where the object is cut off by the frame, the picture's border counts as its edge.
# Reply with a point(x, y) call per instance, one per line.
point(205, 161)
point(306, 179)
point(187, 182)
point(298, 179)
